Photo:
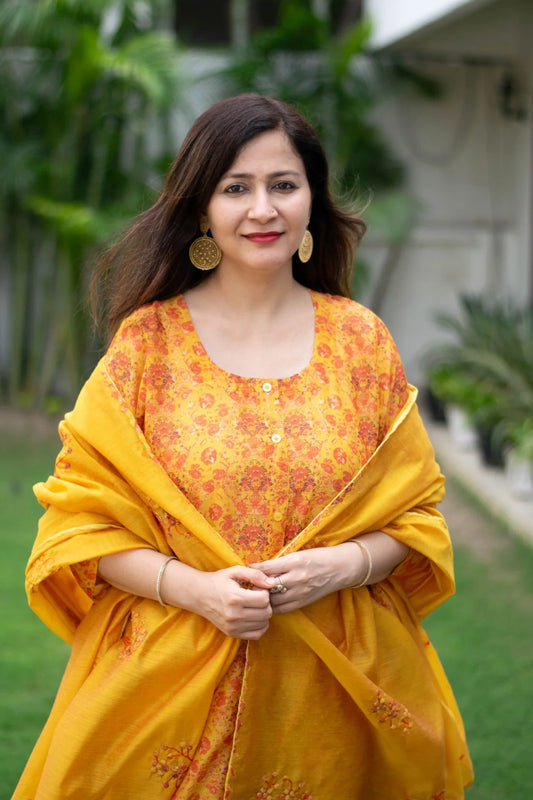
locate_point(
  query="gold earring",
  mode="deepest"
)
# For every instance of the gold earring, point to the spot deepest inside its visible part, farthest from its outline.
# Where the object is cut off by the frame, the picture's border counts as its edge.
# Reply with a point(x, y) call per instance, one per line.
point(305, 251)
point(204, 252)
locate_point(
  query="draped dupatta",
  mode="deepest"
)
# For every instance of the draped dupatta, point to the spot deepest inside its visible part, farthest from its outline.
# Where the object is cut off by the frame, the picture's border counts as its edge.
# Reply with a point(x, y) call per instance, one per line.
point(355, 667)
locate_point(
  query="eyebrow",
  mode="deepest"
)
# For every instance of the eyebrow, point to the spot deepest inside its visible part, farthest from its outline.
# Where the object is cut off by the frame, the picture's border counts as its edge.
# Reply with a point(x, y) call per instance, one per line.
point(279, 174)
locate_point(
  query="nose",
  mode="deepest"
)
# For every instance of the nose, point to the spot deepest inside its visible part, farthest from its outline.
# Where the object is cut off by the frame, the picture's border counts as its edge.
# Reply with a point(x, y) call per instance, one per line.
point(261, 207)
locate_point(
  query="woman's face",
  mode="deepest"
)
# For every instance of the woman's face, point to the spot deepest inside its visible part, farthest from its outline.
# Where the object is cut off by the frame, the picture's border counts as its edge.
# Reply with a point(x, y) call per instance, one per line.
point(260, 208)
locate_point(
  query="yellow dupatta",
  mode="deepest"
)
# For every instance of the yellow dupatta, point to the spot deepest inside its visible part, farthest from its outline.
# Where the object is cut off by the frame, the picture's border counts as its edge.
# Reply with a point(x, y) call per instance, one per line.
point(344, 699)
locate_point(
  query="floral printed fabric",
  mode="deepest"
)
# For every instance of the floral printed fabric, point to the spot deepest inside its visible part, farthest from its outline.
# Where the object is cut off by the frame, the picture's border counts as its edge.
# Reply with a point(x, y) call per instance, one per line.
point(149, 692)
point(259, 458)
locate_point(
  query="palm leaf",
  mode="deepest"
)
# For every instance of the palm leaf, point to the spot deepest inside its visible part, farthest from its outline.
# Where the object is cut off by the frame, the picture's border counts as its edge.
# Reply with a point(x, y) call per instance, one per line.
point(76, 220)
point(20, 166)
point(148, 62)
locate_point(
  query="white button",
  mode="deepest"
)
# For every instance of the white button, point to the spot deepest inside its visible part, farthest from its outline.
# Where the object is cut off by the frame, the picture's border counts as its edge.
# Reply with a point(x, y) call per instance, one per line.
point(276, 438)
point(267, 387)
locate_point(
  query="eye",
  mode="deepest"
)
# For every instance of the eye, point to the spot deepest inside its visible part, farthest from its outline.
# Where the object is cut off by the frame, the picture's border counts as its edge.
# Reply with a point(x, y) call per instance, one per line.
point(284, 186)
point(234, 188)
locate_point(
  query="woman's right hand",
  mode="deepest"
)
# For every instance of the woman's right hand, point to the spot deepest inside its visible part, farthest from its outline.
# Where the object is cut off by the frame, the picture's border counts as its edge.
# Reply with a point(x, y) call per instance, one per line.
point(236, 600)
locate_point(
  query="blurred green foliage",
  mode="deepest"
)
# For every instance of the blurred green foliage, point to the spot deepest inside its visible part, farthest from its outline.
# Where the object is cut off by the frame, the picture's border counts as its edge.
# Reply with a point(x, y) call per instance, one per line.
point(325, 72)
point(329, 79)
point(82, 87)
point(88, 92)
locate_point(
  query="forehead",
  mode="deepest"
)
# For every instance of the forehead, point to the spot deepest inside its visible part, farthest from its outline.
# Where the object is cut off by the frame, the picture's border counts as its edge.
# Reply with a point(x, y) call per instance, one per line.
point(267, 149)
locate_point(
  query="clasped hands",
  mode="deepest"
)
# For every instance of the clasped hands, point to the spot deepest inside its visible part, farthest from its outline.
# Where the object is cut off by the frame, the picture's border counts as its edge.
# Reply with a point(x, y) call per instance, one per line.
point(239, 601)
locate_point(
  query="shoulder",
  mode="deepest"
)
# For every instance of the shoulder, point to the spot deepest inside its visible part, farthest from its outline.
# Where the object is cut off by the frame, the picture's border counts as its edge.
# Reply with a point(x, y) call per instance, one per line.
point(150, 327)
point(363, 343)
point(348, 316)
point(154, 316)
point(147, 333)
point(141, 346)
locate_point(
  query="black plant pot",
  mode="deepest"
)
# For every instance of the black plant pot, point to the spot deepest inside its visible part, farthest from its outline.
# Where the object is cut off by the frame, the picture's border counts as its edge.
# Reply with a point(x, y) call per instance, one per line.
point(491, 453)
point(435, 407)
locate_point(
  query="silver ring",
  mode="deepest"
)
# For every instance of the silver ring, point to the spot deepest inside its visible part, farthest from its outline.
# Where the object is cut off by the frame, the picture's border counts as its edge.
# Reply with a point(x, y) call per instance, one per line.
point(280, 588)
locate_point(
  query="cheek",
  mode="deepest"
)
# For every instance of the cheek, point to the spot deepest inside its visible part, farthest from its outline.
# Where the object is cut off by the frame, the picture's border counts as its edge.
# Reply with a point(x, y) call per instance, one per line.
point(306, 205)
point(220, 217)
point(303, 214)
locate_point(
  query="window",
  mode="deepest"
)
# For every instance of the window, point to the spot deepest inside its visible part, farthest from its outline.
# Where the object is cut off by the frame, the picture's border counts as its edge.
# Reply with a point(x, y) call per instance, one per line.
point(209, 22)
point(203, 23)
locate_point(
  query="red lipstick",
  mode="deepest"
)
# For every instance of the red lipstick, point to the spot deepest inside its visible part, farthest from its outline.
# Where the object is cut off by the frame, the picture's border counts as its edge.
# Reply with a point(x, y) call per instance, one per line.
point(263, 238)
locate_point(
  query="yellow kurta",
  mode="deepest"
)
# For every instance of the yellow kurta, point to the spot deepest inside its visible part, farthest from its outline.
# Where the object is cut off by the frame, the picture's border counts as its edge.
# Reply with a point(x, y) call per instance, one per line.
point(342, 700)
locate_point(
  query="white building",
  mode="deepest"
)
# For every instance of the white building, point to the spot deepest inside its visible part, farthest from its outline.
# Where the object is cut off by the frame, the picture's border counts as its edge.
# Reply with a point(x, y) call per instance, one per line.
point(469, 157)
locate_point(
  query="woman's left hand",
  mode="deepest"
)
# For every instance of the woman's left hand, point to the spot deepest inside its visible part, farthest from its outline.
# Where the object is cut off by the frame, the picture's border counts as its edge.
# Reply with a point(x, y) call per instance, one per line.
point(309, 575)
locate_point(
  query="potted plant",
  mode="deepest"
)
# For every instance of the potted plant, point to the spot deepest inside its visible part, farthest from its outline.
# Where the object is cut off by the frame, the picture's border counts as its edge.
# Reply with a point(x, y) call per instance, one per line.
point(519, 459)
point(486, 370)
point(454, 389)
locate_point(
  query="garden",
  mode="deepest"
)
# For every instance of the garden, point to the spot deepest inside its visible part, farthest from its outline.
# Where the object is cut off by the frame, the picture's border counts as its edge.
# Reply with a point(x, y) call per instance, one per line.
point(481, 383)
point(95, 98)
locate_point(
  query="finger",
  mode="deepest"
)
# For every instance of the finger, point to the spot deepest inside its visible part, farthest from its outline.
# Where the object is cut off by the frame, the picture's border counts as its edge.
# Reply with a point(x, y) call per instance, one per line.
point(277, 566)
point(280, 588)
point(285, 607)
point(268, 567)
point(239, 621)
point(249, 577)
point(252, 634)
point(235, 620)
point(255, 600)
point(238, 599)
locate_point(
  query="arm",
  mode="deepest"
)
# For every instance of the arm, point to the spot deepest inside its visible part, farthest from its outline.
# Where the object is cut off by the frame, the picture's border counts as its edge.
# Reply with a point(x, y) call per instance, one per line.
point(220, 597)
point(312, 574)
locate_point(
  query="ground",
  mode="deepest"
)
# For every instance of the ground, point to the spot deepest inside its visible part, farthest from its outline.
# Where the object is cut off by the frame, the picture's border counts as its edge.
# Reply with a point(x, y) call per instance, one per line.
point(33, 424)
point(470, 528)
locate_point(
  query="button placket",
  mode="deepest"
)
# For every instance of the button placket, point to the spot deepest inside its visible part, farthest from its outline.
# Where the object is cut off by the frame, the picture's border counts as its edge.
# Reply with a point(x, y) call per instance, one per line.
point(275, 438)
point(273, 430)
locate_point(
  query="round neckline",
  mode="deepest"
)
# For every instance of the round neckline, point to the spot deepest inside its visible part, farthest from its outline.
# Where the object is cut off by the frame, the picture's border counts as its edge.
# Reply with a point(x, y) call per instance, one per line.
point(215, 368)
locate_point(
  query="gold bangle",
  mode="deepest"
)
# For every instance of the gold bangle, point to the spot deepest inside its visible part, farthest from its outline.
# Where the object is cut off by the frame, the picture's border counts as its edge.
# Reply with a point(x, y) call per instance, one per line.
point(365, 549)
point(160, 574)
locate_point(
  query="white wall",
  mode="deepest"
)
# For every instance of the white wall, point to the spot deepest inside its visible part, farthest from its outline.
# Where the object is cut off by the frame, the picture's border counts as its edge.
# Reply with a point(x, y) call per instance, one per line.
point(394, 21)
point(470, 170)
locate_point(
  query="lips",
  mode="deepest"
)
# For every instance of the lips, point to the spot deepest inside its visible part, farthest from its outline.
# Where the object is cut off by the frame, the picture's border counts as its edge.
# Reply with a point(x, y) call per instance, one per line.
point(263, 238)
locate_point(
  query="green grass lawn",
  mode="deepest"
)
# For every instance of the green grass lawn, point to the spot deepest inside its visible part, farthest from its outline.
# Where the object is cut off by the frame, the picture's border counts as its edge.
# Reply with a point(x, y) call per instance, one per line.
point(483, 635)
point(32, 659)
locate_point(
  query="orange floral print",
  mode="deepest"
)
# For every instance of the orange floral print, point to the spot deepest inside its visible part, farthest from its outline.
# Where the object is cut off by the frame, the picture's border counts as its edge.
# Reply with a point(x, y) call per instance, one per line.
point(85, 573)
point(238, 449)
point(132, 640)
point(394, 714)
point(259, 458)
point(276, 788)
point(170, 764)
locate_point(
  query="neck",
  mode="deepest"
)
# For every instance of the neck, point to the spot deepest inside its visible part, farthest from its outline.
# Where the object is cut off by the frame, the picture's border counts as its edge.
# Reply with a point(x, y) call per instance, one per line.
point(253, 295)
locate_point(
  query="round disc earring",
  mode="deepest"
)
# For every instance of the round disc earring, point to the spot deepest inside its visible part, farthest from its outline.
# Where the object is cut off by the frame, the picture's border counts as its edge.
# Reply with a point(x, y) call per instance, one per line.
point(305, 250)
point(204, 252)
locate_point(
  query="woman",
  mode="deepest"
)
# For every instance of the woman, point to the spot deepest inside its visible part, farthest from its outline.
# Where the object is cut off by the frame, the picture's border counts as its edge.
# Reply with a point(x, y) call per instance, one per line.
point(241, 534)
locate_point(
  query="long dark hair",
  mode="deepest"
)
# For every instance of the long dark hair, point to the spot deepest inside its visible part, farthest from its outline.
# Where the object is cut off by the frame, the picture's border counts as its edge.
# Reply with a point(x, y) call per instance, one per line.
point(150, 261)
